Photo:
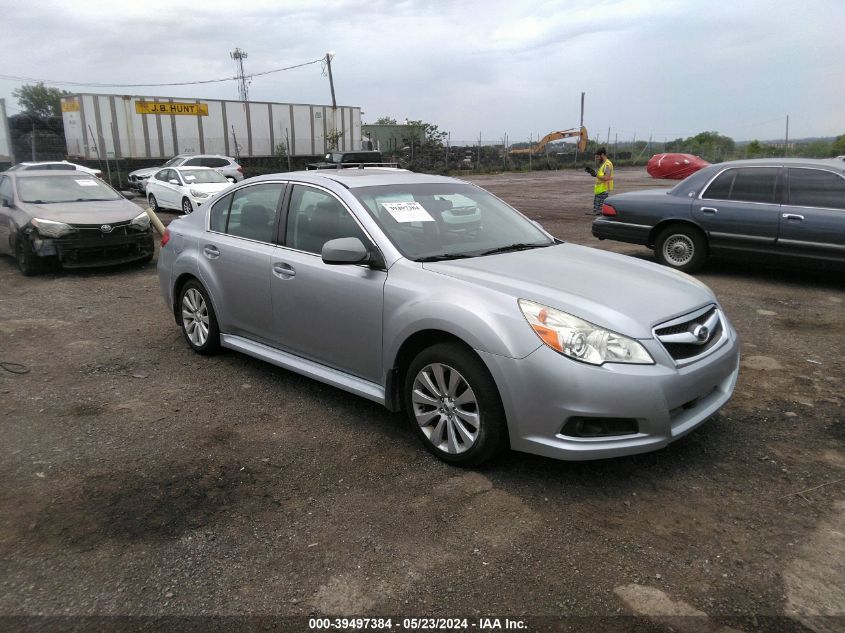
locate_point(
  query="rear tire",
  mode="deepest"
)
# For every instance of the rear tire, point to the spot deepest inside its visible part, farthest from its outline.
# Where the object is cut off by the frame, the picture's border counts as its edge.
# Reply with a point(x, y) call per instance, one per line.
point(199, 322)
point(681, 247)
point(453, 405)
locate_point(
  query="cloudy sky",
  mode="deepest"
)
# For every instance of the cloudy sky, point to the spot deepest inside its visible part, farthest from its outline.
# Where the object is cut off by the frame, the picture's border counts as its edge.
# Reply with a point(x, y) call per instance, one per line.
point(665, 68)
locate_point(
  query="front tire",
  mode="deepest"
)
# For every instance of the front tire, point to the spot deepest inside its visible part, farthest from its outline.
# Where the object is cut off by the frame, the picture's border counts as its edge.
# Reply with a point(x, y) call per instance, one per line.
point(153, 203)
point(28, 262)
point(199, 323)
point(187, 207)
point(681, 247)
point(454, 406)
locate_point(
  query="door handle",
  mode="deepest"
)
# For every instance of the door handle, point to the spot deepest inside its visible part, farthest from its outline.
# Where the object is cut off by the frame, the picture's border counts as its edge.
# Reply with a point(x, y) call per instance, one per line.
point(709, 210)
point(283, 270)
point(211, 251)
point(792, 216)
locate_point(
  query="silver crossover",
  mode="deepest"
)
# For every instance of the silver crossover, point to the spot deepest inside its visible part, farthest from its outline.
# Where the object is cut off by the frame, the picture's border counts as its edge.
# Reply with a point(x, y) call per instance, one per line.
point(431, 295)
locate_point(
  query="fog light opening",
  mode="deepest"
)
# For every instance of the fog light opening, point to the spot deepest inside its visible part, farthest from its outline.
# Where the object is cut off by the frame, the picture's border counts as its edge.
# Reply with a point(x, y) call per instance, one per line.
point(581, 426)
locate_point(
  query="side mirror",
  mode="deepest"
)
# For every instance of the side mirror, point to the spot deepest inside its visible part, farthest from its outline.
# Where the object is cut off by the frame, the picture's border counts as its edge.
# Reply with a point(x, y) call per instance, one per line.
point(173, 181)
point(344, 251)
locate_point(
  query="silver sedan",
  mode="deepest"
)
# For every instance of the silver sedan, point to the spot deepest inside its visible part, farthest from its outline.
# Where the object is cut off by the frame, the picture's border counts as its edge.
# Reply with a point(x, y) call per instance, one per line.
point(430, 295)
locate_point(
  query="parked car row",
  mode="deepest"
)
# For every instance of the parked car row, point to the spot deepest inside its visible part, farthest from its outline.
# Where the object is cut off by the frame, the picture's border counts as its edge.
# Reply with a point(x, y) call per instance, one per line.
point(226, 165)
point(430, 295)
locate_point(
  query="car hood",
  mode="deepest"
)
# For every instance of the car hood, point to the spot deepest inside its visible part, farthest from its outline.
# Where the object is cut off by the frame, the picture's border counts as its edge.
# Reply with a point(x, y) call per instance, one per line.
point(617, 292)
point(99, 212)
point(146, 171)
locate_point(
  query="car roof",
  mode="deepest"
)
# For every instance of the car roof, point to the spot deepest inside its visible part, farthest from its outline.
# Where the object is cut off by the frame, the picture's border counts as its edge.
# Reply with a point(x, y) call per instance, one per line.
point(203, 156)
point(190, 168)
point(786, 162)
point(70, 173)
point(354, 178)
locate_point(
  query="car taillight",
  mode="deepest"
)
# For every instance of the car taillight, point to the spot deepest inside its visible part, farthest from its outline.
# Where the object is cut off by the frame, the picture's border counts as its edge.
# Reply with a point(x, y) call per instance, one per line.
point(606, 209)
point(165, 238)
point(240, 169)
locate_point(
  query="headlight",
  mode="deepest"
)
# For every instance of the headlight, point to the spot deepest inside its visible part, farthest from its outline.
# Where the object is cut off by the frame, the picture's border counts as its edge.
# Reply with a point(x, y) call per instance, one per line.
point(51, 228)
point(580, 340)
point(198, 194)
point(140, 221)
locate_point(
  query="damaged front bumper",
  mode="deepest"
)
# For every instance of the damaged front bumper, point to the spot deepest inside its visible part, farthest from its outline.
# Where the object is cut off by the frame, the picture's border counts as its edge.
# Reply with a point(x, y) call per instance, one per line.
point(89, 248)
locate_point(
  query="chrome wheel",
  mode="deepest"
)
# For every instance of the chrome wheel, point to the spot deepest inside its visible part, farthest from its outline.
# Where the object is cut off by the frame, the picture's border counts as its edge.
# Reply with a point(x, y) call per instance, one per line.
point(186, 206)
point(679, 249)
point(195, 318)
point(153, 203)
point(446, 409)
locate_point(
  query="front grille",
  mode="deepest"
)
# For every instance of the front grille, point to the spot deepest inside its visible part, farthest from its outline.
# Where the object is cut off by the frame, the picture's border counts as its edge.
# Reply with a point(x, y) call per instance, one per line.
point(693, 335)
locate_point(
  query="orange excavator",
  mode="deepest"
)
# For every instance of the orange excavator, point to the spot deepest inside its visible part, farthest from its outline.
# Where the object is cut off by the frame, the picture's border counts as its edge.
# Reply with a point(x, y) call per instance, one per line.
point(581, 133)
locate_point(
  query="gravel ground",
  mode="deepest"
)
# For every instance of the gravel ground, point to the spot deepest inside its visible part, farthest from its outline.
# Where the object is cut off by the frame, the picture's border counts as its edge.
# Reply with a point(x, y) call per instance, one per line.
point(140, 479)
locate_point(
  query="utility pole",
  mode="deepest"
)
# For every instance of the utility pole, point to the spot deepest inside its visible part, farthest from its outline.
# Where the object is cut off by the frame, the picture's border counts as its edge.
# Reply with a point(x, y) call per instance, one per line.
point(786, 142)
point(329, 57)
point(239, 56)
point(582, 124)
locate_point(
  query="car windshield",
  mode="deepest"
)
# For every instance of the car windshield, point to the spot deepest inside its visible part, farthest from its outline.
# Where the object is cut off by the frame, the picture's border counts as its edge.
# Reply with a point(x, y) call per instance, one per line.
point(448, 221)
point(199, 176)
point(49, 189)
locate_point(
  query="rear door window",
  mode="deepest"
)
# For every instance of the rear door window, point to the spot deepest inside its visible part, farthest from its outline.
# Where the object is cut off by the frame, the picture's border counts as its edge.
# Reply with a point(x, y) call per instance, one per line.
point(254, 211)
point(752, 184)
point(214, 162)
point(816, 188)
point(193, 162)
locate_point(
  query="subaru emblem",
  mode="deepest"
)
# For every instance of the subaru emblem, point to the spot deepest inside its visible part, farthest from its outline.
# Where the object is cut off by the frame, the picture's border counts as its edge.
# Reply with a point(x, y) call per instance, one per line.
point(106, 228)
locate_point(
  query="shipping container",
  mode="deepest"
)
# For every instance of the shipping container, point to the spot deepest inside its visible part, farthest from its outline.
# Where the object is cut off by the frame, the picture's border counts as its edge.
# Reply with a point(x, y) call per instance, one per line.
point(132, 126)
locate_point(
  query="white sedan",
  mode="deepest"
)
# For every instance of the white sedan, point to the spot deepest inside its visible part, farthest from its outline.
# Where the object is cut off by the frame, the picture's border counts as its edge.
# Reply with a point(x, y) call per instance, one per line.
point(184, 188)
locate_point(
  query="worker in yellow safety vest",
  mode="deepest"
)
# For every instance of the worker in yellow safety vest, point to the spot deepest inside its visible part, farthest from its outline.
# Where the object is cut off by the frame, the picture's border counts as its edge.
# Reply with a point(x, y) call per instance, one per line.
point(604, 180)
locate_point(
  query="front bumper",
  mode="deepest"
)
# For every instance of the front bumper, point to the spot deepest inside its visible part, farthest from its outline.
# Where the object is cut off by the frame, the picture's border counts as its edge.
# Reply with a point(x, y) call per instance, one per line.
point(94, 248)
point(542, 391)
point(138, 182)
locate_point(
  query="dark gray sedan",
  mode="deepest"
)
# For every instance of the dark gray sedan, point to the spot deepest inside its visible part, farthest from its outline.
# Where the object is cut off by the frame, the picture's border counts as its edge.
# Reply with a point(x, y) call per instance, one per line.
point(74, 219)
point(772, 206)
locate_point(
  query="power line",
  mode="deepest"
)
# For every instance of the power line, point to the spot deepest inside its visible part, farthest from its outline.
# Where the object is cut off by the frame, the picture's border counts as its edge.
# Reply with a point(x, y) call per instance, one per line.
point(85, 84)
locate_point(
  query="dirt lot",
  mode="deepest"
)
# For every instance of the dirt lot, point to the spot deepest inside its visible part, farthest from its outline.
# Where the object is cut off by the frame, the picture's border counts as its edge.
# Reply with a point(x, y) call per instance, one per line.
point(141, 479)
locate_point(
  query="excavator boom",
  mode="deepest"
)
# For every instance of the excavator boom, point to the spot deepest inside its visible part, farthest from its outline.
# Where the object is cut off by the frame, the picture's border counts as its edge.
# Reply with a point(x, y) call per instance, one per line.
point(556, 136)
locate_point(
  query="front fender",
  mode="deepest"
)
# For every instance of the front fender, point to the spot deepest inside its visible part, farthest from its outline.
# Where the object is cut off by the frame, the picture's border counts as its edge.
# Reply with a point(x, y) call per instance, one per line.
point(485, 319)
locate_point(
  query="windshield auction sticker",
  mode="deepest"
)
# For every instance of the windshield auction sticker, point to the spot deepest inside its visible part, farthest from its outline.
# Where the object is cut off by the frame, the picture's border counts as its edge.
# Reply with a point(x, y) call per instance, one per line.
point(86, 183)
point(407, 211)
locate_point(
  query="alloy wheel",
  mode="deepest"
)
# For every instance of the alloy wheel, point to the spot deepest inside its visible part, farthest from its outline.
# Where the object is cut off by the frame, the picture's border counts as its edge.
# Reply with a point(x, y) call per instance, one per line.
point(446, 408)
point(195, 319)
point(186, 206)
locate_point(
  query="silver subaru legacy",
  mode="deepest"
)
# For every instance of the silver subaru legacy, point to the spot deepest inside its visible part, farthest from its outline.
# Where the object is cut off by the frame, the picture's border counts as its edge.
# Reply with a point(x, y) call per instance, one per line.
point(431, 295)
